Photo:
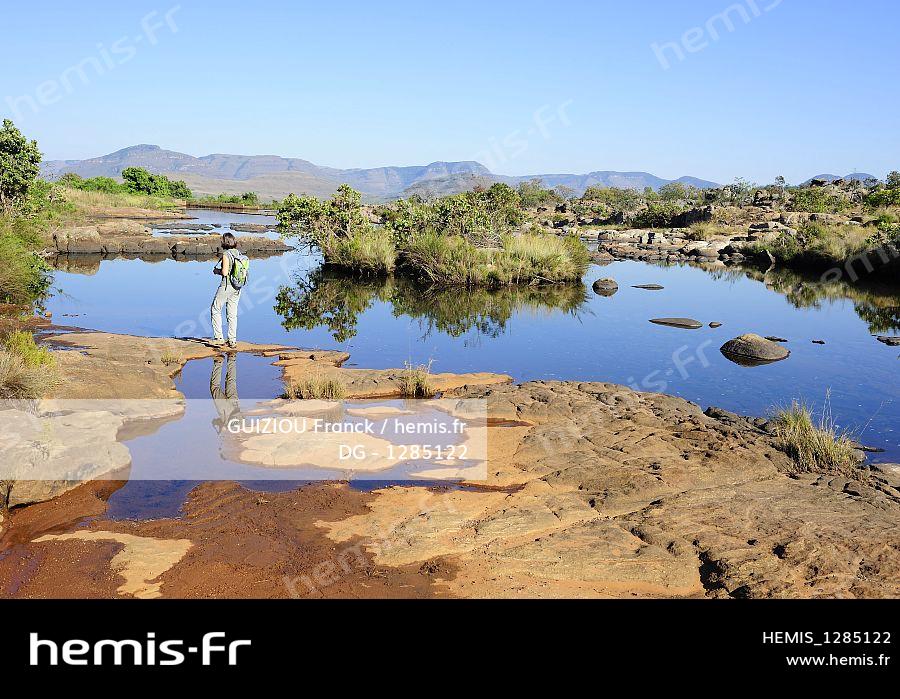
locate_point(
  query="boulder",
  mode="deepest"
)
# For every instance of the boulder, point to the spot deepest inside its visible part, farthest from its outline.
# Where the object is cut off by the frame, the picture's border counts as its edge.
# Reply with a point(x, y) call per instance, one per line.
point(890, 341)
point(605, 287)
point(752, 348)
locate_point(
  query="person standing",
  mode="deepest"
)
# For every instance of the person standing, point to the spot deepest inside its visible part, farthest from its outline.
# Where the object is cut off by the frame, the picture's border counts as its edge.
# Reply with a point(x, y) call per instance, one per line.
point(233, 268)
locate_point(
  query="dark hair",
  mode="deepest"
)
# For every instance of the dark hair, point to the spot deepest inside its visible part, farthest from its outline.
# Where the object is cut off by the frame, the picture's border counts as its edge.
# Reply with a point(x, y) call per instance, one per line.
point(229, 242)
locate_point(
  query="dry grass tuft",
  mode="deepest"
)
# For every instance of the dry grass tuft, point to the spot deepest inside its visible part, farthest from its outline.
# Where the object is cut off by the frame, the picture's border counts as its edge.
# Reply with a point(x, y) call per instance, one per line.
point(415, 381)
point(315, 387)
point(814, 446)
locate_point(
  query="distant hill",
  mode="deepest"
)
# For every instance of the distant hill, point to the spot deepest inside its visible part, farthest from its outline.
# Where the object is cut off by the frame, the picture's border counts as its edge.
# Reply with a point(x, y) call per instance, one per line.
point(861, 176)
point(273, 177)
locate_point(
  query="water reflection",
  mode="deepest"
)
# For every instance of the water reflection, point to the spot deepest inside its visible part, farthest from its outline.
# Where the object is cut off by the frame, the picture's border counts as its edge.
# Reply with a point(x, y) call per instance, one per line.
point(878, 305)
point(224, 393)
point(329, 299)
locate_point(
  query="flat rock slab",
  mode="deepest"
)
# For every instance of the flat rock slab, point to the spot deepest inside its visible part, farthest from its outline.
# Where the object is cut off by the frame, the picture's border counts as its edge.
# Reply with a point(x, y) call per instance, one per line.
point(371, 383)
point(889, 340)
point(686, 323)
point(649, 287)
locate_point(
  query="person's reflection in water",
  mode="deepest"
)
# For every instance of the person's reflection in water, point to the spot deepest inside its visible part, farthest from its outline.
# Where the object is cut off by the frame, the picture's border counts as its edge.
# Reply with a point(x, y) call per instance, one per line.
point(224, 395)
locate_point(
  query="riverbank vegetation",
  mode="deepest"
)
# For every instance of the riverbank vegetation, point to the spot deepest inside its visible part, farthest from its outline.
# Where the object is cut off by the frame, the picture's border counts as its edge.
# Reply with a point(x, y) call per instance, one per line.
point(135, 180)
point(815, 445)
point(27, 370)
point(415, 381)
point(469, 239)
point(27, 207)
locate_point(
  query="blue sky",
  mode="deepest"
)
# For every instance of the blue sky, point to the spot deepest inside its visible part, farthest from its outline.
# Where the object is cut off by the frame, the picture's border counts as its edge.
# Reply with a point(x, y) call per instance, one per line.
point(775, 87)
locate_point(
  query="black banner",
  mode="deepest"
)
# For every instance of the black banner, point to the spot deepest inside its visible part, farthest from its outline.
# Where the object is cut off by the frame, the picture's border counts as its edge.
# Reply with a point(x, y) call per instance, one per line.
point(220, 639)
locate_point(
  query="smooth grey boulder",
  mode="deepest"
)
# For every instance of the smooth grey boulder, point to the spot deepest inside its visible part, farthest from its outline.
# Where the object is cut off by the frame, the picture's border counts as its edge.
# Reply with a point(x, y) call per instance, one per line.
point(605, 287)
point(753, 348)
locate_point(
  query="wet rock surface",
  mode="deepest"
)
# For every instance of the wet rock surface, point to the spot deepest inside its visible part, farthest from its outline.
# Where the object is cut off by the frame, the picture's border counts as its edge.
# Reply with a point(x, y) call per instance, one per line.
point(593, 490)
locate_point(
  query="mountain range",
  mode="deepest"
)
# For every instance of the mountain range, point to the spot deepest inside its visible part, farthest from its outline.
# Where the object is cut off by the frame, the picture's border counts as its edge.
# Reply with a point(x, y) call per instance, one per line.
point(273, 177)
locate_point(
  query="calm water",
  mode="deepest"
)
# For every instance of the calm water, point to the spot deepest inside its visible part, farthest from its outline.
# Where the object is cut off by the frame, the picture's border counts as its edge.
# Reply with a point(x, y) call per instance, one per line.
point(569, 334)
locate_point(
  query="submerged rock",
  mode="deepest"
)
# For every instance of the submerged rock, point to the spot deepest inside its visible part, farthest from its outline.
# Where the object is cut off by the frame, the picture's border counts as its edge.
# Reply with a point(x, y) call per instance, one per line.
point(605, 287)
point(751, 349)
point(686, 323)
point(715, 324)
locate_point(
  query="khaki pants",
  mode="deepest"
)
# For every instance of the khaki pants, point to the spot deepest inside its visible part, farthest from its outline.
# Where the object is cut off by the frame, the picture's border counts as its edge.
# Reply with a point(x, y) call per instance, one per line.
point(229, 296)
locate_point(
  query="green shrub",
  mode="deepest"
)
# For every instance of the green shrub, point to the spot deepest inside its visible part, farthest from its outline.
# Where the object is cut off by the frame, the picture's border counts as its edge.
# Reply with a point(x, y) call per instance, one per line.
point(20, 380)
point(817, 200)
point(658, 215)
point(24, 276)
point(22, 344)
point(20, 162)
point(533, 194)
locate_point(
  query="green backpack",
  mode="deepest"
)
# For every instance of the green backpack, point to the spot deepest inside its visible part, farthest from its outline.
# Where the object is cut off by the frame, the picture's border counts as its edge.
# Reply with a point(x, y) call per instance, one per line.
point(239, 269)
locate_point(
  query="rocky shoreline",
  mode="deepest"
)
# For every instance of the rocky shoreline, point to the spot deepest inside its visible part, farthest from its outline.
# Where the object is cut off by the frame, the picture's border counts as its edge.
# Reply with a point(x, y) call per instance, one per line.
point(593, 490)
point(114, 238)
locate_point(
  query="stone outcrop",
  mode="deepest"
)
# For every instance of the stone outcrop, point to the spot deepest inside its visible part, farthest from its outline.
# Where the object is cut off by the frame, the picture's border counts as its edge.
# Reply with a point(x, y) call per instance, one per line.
point(91, 240)
point(608, 492)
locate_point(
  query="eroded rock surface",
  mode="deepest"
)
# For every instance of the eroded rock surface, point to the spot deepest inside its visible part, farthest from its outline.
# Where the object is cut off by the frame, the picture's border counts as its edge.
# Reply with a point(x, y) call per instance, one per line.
point(612, 492)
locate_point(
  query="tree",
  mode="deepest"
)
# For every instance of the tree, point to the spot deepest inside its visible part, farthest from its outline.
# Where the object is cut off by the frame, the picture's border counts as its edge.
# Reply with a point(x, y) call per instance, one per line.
point(893, 180)
point(20, 162)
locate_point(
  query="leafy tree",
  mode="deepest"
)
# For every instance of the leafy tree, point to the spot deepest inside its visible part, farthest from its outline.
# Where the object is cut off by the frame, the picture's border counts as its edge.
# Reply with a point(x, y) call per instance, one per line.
point(616, 199)
point(140, 181)
point(533, 194)
point(563, 192)
point(893, 180)
point(179, 190)
point(678, 191)
point(20, 162)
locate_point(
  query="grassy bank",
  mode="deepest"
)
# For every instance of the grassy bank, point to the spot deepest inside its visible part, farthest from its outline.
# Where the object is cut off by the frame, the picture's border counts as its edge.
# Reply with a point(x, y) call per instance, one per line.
point(470, 239)
point(518, 259)
point(84, 201)
point(818, 246)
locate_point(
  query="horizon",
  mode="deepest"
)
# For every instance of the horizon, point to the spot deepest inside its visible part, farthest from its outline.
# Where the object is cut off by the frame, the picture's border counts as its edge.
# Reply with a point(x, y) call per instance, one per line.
point(434, 162)
point(675, 92)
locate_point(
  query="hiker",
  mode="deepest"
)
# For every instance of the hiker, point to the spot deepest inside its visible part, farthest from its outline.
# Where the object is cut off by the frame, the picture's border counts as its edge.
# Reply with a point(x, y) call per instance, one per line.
point(233, 268)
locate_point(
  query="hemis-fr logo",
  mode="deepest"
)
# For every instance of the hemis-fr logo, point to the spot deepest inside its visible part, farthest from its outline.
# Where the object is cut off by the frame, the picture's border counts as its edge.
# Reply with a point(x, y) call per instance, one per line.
point(213, 649)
